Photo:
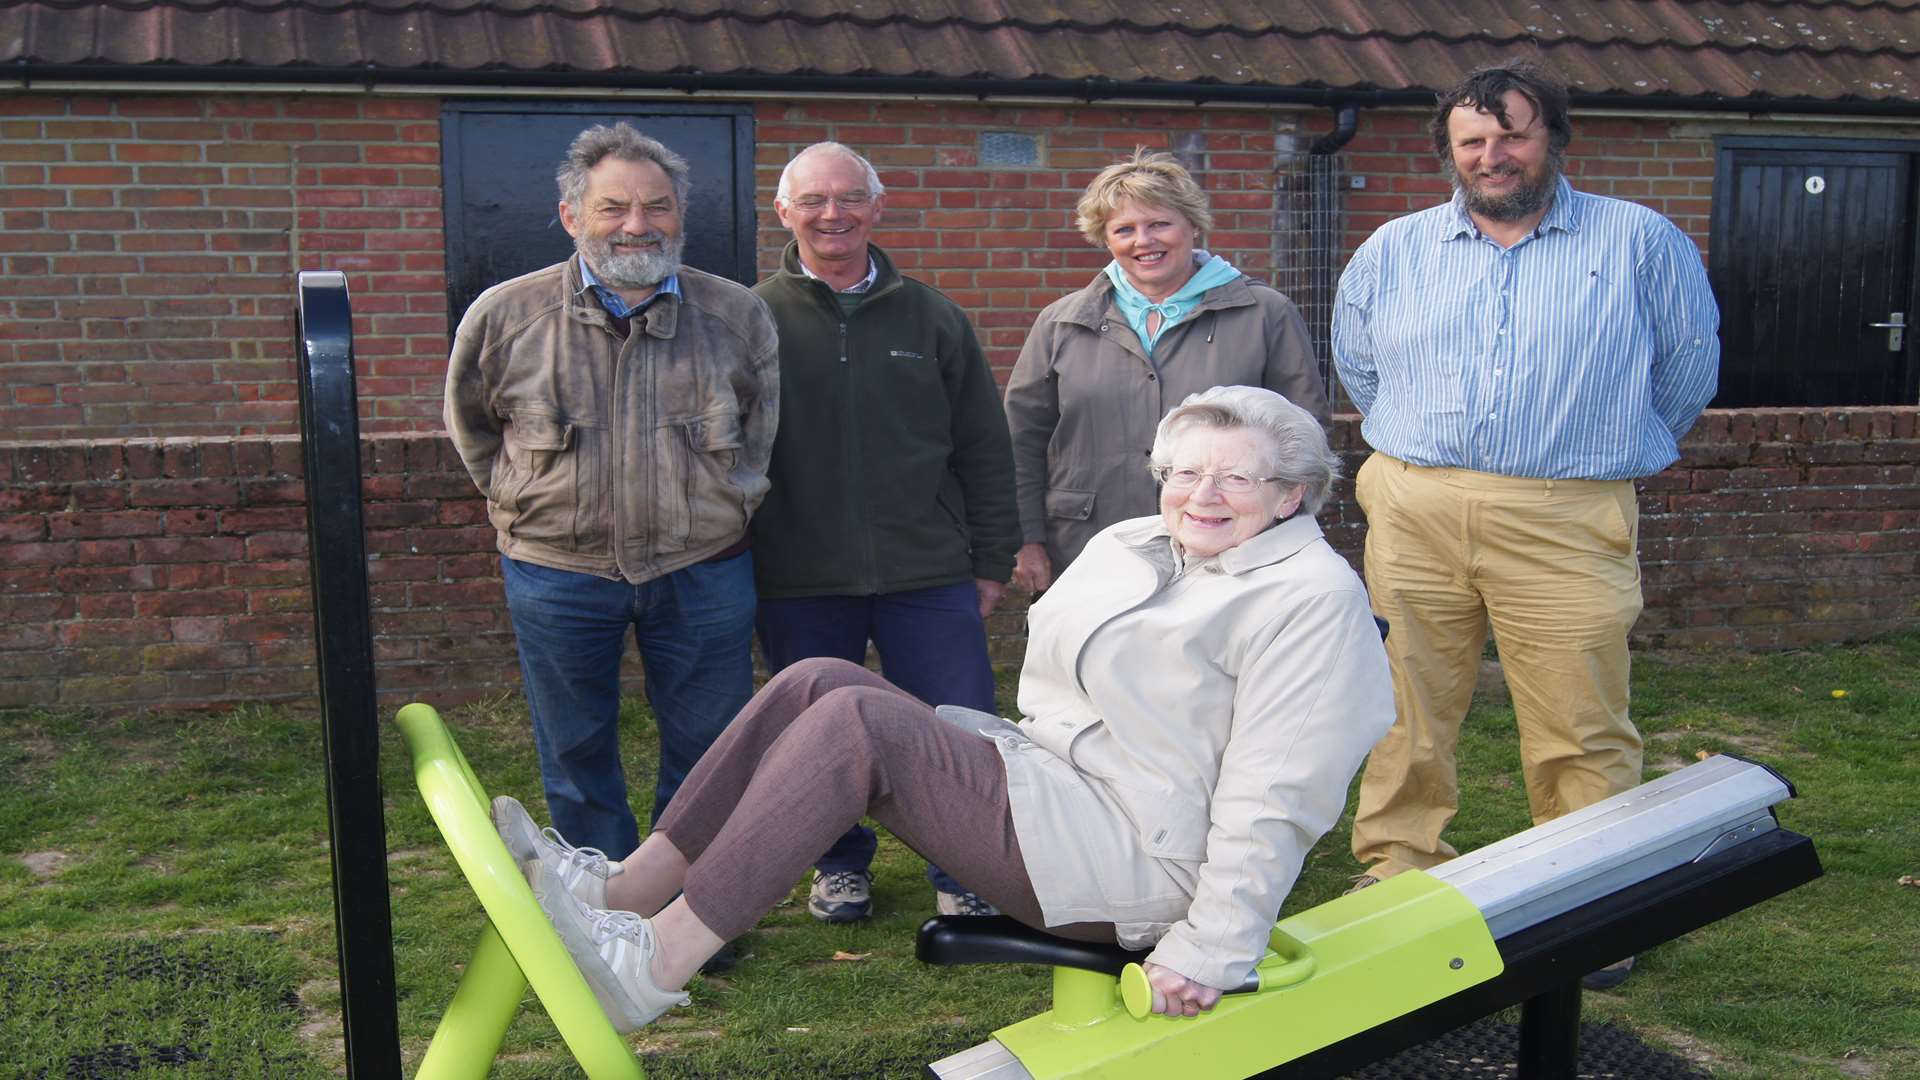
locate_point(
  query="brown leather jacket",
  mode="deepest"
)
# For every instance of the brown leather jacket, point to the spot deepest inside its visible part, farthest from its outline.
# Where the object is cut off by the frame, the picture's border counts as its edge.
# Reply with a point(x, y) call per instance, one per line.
point(627, 458)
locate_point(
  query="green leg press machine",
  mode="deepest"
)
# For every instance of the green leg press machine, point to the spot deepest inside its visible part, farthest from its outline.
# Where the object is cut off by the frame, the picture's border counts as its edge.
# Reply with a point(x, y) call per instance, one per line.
point(1367, 975)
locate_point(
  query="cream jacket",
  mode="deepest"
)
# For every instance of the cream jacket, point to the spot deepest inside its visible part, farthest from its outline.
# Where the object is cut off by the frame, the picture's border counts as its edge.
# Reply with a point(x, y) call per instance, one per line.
point(1189, 733)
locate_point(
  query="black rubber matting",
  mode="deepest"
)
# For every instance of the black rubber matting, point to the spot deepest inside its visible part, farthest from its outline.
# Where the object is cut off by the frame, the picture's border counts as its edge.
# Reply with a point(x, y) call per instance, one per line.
point(115, 1010)
point(1487, 1051)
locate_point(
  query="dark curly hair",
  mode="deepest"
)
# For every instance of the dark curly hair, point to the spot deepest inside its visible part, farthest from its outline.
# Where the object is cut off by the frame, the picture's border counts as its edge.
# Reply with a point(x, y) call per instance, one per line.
point(1486, 89)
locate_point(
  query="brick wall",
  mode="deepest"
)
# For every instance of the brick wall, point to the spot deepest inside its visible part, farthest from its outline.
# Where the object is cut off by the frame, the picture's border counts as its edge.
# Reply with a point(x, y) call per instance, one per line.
point(147, 251)
point(172, 574)
point(148, 243)
point(1001, 240)
point(151, 531)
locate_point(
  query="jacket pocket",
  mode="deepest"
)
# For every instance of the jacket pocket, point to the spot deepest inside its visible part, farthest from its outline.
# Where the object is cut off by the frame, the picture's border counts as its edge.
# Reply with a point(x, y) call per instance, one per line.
point(535, 489)
point(949, 498)
point(1069, 504)
point(710, 506)
point(1168, 823)
point(1171, 827)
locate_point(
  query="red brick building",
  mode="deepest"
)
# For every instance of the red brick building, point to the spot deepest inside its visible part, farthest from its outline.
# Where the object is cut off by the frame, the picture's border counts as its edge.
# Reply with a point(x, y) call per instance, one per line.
point(166, 168)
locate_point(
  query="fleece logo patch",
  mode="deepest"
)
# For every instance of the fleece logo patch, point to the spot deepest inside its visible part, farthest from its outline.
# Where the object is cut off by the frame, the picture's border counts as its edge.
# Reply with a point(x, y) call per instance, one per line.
point(905, 354)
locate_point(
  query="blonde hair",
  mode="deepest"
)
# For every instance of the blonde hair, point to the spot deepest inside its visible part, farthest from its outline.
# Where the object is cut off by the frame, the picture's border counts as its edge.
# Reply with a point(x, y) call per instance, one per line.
point(1149, 176)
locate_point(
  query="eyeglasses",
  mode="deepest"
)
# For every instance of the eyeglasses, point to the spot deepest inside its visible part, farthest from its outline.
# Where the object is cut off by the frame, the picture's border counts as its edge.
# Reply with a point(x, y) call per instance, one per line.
point(1231, 483)
point(850, 200)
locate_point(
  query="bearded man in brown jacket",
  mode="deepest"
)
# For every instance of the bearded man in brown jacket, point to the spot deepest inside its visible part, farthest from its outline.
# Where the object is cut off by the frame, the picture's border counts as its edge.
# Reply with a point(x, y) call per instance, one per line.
point(617, 410)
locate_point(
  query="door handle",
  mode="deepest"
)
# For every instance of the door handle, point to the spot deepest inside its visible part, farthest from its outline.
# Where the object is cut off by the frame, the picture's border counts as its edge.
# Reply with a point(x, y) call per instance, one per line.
point(1896, 328)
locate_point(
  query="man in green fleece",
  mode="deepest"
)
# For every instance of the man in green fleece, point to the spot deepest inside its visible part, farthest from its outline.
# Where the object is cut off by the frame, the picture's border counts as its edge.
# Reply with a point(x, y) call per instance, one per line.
point(891, 518)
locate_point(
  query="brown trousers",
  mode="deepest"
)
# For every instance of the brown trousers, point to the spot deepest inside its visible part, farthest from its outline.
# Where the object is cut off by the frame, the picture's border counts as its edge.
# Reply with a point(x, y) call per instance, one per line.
point(1551, 567)
point(822, 745)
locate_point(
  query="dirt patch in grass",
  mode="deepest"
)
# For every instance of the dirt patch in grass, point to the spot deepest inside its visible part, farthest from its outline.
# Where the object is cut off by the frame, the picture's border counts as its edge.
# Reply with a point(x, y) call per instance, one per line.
point(1848, 1064)
point(320, 1027)
point(1693, 1050)
point(33, 746)
point(1759, 745)
point(45, 864)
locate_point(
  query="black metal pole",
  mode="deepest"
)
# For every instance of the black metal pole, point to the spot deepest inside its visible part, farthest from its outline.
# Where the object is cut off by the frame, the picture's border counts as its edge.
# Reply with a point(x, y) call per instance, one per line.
point(343, 644)
point(1550, 1034)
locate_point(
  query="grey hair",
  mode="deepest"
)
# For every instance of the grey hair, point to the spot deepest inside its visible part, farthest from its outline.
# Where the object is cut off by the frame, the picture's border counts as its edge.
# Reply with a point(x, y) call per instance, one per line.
point(874, 186)
point(622, 142)
point(1301, 454)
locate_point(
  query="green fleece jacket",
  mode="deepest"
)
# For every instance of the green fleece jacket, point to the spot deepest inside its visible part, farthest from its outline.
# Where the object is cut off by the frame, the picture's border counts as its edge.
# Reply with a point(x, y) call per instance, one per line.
point(891, 469)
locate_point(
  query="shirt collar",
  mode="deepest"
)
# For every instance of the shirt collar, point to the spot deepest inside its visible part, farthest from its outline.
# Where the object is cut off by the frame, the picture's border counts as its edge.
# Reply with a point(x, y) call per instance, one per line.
point(1563, 214)
point(865, 283)
point(1277, 544)
point(612, 301)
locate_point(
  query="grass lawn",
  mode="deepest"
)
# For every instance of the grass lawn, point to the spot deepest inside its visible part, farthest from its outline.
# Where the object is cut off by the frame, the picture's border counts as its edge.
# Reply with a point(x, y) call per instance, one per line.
point(165, 907)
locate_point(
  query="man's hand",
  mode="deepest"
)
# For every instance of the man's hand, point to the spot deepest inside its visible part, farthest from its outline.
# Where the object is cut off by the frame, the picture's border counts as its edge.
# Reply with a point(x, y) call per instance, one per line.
point(1032, 570)
point(990, 593)
point(1176, 995)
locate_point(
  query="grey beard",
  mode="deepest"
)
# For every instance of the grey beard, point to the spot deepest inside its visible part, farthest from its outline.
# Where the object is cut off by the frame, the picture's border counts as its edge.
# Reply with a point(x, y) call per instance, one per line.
point(1516, 205)
point(632, 269)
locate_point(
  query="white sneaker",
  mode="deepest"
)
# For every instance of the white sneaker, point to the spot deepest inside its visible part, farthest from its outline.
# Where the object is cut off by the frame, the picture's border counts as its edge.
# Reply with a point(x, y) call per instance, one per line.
point(584, 871)
point(612, 949)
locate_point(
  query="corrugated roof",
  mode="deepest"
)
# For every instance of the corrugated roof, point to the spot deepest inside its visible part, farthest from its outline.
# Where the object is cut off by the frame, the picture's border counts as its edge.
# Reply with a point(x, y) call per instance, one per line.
point(1846, 50)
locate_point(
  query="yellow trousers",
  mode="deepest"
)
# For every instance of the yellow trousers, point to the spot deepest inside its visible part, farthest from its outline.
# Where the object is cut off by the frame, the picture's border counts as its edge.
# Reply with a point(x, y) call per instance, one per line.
point(1552, 568)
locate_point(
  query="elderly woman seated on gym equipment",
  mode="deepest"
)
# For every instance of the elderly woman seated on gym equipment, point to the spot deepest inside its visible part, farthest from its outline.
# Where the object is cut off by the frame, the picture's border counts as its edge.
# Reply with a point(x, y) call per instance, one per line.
point(1199, 689)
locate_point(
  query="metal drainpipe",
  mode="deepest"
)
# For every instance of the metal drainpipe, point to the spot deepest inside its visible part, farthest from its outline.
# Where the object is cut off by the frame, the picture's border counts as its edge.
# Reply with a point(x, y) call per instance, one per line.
point(1346, 121)
point(1323, 246)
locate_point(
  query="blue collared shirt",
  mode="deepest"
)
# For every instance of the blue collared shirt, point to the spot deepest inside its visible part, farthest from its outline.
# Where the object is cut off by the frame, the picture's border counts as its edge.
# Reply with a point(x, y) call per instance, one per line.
point(1582, 352)
point(611, 300)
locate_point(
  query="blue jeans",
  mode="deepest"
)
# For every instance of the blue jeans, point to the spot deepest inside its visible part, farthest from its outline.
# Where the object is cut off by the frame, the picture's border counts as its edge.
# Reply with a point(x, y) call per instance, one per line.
point(932, 644)
point(695, 632)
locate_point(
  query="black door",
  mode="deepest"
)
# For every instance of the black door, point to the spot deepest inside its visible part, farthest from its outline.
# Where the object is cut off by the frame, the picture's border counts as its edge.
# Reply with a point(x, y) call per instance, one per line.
point(1812, 255)
point(501, 217)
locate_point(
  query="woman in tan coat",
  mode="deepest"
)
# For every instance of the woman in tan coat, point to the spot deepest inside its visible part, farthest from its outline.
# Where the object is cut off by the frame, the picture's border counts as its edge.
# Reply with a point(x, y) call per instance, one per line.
point(1104, 364)
point(1199, 690)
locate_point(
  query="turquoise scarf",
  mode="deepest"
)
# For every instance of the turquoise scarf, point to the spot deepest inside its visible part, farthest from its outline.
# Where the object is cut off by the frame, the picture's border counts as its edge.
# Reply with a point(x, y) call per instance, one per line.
point(1135, 306)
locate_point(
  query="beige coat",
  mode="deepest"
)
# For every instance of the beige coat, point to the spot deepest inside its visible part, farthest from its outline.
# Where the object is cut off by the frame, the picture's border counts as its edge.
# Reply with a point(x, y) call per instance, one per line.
point(1189, 734)
point(1084, 399)
point(628, 458)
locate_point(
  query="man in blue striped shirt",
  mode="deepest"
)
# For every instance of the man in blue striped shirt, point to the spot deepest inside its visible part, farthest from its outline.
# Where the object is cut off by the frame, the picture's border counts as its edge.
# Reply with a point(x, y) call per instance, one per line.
point(1520, 354)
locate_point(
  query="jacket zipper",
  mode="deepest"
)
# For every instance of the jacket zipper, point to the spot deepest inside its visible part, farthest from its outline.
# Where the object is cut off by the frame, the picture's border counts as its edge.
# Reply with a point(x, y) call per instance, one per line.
point(616, 443)
point(872, 576)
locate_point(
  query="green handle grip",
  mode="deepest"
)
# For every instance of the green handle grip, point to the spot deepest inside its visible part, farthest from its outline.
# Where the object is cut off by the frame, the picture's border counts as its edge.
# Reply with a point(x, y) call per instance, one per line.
point(1292, 962)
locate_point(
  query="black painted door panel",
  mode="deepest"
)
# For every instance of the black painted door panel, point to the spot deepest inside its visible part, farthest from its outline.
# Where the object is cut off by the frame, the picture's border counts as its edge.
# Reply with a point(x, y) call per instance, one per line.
point(501, 203)
point(1810, 248)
